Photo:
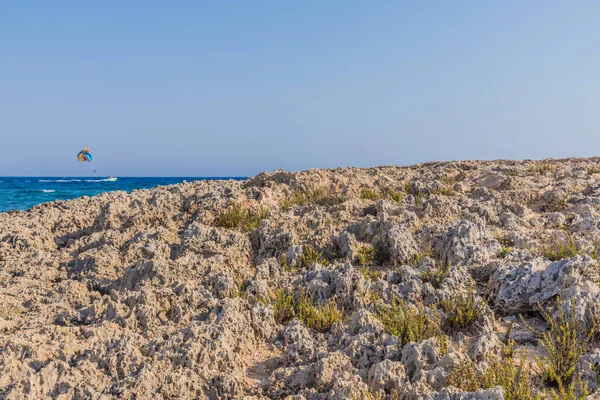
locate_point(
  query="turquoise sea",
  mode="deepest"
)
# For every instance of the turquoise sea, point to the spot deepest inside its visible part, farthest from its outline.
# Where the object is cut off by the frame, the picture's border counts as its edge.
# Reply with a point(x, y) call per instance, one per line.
point(22, 193)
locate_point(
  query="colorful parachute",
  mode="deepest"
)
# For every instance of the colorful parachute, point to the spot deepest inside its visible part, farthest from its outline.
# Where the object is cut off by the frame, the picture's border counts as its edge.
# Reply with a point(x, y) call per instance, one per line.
point(84, 155)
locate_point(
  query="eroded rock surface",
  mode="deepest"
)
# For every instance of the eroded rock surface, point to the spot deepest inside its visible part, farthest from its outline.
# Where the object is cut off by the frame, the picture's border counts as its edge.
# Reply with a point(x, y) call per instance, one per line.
point(148, 296)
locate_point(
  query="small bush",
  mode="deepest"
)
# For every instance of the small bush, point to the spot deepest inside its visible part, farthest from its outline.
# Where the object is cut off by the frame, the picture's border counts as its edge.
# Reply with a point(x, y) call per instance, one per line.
point(410, 323)
point(452, 179)
point(365, 254)
point(514, 377)
point(237, 216)
point(369, 194)
point(465, 376)
point(504, 252)
point(418, 257)
point(283, 263)
point(462, 311)
point(564, 344)
point(287, 306)
point(318, 196)
point(436, 275)
point(285, 204)
point(310, 256)
point(284, 305)
point(319, 319)
point(369, 274)
point(395, 195)
point(444, 191)
point(557, 250)
point(570, 392)
point(542, 169)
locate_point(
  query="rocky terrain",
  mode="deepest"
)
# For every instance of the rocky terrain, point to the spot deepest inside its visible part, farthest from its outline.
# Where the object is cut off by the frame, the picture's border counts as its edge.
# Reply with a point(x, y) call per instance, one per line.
point(441, 281)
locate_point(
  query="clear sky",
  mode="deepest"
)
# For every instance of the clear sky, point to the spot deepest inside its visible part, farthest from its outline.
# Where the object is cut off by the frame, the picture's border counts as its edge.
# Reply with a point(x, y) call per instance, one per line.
point(221, 88)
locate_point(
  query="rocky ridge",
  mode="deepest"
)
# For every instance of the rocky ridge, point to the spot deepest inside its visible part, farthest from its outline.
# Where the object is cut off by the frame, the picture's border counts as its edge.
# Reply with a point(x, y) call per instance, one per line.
point(324, 284)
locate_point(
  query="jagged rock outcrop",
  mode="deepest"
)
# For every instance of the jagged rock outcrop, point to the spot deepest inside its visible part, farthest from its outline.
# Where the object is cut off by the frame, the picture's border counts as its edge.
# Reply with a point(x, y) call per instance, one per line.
point(297, 292)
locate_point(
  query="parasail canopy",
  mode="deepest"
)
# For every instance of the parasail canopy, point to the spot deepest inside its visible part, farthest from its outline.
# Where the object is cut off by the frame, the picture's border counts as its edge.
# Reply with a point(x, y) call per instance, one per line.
point(84, 155)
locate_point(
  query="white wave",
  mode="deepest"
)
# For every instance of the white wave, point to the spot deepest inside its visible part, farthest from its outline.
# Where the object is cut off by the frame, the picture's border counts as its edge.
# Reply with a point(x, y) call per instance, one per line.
point(59, 180)
point(48, 191)
point(95, 180)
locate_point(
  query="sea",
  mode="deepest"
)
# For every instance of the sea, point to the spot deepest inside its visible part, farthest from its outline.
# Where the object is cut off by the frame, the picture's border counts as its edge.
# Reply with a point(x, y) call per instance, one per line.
point(22, 193)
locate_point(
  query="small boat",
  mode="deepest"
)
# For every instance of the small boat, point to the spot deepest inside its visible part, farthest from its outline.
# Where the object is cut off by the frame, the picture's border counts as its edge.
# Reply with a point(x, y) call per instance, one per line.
point(110, 179)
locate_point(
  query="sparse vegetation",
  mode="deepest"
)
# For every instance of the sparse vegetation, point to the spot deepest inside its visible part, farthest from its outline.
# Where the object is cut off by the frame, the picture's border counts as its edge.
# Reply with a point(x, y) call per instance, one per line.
point(443, 191)
point(283, 263)
point(542, 169)
point(564, 343)
point(436, 275)
point(556, 250)
point(284, 306)
point(320, 319)
point(365, 254)
point(239, 290)
point(369, 194)
point(570, 392)
point(512, 375)
point(462, 311)
point(410, 323)
point(452, 179)
point(418, 257)
point(504, 252)
point(370, 274)
point(310, 255)
point(321, 196)
point(287, 306)
point(464, 376)
point(237, 216)
point(285, 204)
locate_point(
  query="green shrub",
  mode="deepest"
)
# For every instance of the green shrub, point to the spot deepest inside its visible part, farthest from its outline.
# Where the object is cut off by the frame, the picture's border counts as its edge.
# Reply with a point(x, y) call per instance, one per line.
point(287, 306)
point(365, 254)
point(462, 311)
point(369, 274)
point(238, 216)
point(570, 392)
point(557, 250)
point(452, 179)
point(283, 263)
point(542, 169)
point(395, 195)
point(504, 252)
point(435, 276)
point(514, 377)
point(369, 194)
point(310, 256)
point(410, 323)
point(464, 376)
point(318, 196)
point(564, 344)
point(418, 257)
point(284, 305)
point(320, 319)
point(285, 204)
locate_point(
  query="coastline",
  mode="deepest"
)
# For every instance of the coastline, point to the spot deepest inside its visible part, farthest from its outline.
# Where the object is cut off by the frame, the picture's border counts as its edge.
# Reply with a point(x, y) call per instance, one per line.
point(287, 283)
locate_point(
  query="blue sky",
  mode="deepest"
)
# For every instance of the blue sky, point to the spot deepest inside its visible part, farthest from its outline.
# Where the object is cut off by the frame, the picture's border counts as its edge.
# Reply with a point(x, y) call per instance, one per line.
point(221, 88)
